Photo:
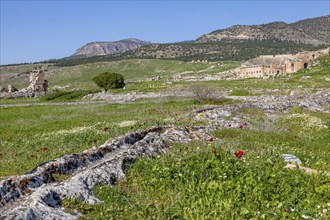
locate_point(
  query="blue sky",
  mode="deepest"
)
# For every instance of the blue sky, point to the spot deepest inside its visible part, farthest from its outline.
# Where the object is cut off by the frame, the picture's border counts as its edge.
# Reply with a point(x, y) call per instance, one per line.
point(40, 30)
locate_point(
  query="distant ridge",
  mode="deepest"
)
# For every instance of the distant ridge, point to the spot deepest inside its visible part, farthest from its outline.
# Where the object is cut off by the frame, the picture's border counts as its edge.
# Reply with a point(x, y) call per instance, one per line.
point(313, 31)
point(108, 48)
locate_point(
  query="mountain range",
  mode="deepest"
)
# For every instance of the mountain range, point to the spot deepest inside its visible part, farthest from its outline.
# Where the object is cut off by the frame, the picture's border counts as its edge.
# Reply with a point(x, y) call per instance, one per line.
point(314, 31)
point(239, 42)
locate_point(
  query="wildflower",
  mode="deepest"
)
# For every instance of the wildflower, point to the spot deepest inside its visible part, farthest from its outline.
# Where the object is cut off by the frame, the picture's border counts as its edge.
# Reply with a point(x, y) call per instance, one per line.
point(324, 210)
point(211, 139)
point(1, 154)
point(239, 153)
point(32, 155)
point(38, 151)
point(318, 206)
point(214, 151)
point(305, 216)
point(45, 148)
point(241, 126)
point(106, 129)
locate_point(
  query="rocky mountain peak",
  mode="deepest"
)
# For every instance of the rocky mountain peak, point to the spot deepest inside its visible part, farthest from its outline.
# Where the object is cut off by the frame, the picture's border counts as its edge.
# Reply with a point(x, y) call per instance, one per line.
point(105, 48)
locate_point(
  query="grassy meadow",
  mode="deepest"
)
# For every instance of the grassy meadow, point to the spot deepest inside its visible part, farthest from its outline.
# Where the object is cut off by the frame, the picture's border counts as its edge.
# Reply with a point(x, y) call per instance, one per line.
point(200, 180)
point(213, 180)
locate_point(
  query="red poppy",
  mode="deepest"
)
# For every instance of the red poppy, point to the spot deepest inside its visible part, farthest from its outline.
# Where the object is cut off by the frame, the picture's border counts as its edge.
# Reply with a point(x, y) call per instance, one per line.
point(214, 151)
point(241, 126)
point(45, 148)
point(32, 155)
point(239, 153)
point(1, 154)
point(211, 139)
point(105, 129)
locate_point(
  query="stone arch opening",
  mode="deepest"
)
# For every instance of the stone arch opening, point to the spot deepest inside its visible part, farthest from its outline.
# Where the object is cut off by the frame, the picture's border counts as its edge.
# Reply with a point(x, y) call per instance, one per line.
point(305, 65)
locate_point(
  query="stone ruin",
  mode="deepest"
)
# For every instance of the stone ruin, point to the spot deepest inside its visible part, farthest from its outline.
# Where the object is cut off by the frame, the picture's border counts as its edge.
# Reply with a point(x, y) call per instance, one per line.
point(273, 65)
point(38, 86)
point(37, 80)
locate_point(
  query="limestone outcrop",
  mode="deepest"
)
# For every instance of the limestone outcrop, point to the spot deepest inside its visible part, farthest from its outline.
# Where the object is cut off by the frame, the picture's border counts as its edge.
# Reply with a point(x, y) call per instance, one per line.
point(36, 195)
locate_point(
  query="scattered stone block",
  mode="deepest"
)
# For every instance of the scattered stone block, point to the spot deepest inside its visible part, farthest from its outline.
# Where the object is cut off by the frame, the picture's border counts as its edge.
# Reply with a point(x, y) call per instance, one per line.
point(291, 158)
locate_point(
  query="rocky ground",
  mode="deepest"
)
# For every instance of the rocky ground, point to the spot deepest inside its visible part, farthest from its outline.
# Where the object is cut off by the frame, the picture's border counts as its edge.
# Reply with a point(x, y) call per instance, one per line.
point(37, 195)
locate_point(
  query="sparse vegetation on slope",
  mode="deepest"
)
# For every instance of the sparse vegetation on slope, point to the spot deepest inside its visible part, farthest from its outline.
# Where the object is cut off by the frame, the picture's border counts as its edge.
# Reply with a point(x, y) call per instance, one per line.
point(212, 51)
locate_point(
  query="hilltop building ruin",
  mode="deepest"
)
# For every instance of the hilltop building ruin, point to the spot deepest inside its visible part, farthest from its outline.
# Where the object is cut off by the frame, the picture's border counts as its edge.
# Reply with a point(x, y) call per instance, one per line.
point(273, 65)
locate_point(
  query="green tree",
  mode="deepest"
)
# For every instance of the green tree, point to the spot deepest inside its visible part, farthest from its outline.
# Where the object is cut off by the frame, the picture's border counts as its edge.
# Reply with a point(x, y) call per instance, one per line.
point(109, 81)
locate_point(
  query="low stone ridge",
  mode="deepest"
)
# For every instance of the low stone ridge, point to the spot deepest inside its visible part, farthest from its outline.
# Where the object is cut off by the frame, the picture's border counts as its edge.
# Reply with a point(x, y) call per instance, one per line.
point(36, 195)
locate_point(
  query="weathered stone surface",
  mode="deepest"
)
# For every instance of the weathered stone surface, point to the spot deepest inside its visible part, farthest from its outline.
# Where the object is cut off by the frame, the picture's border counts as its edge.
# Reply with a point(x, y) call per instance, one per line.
point(291, 158)
point(35, 195)
point(38, 83)
point(218, 115)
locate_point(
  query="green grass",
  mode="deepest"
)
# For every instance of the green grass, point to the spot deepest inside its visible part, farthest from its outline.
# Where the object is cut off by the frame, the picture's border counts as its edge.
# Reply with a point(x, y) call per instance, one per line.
point(136, 71)
point(140, 69)
point(65, 96)
point(240, 92)
point(73, 128)
point(192, 182)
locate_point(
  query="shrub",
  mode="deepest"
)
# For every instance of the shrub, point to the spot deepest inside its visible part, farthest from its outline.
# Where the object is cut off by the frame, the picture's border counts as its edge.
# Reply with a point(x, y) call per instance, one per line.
point(201, 92)
point(108, 81)
point(206, 95)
